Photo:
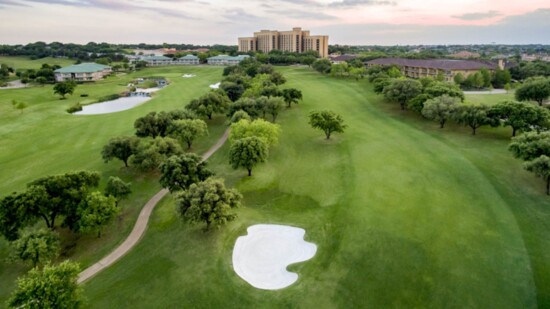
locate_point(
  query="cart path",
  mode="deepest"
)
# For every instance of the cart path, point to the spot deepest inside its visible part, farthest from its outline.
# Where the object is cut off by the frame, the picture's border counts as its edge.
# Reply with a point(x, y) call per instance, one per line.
point(140, 226)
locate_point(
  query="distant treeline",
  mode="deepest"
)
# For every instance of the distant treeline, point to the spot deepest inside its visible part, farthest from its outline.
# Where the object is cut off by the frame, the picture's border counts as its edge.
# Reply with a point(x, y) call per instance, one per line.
point(92, 50)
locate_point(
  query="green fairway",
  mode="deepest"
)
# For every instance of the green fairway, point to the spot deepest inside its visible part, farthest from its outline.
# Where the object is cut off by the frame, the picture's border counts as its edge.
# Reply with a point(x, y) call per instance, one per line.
point(24, 63)
point(45, 140)
point(404, 215)
point(489, 99)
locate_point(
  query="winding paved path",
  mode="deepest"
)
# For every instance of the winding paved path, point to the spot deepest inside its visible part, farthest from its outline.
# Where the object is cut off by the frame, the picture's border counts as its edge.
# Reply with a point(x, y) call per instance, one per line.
point(140, 226)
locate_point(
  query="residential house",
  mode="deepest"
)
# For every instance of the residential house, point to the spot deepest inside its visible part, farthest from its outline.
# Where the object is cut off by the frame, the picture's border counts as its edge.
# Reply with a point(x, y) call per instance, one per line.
point(83, 72)
point(226, 60)
point(448, 68)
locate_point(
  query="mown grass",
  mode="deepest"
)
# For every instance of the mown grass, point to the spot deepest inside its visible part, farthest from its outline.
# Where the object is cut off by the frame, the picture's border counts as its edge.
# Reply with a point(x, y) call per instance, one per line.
point(25, 63)
point(45, 140)
point(404, 215)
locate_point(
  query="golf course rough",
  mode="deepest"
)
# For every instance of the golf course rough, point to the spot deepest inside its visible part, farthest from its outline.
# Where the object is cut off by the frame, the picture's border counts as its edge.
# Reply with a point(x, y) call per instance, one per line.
point(262, 256)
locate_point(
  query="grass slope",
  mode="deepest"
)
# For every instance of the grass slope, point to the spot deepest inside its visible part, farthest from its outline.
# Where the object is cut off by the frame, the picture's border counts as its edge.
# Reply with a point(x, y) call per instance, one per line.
point(45, 140)
point(404, 215)
point(24, 63)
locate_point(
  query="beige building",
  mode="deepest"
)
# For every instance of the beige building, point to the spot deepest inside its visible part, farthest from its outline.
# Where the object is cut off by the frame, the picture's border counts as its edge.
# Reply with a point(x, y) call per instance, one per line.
point(295, 40)
point(418, 68)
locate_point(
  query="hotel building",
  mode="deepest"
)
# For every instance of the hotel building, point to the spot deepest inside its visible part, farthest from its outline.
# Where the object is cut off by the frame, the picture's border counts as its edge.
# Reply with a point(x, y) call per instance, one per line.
point(295, 40)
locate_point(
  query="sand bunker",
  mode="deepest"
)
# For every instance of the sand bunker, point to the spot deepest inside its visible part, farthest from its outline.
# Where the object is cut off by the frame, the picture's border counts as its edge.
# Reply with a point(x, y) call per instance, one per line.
point(215, 86)
point(188, 75)
point(262, 256)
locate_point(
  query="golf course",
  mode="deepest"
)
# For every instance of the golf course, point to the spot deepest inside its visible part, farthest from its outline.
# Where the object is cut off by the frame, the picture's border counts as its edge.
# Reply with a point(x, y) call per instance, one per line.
point(403, 214)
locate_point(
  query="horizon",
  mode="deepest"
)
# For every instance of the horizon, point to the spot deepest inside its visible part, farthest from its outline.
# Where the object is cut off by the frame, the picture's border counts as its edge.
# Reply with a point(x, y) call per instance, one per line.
point(346, 22)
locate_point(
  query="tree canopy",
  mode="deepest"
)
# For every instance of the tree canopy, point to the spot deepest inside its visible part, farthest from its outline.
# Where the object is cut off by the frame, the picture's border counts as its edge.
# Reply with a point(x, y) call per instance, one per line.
point(541, 167)
point(117, 188)
point(327, 121)
point(248, 152)
point(291, 95)
point(531, 145)
point(151, 153)
point(521, 116)
point(121, 147)
point(474, 116)
point(97, 211)
point(208, 202)
point(188, 130)
point(50, 287)
point(440, 109)
point(534, 89)
point(210, 103)
point(64, 88)
point(36, 247)
point(402, 90)
point(266, 131)
point(180, 172)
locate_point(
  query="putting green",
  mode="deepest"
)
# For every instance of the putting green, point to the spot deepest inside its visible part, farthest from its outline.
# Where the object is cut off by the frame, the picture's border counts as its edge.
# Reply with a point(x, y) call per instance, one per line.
point(403, 215)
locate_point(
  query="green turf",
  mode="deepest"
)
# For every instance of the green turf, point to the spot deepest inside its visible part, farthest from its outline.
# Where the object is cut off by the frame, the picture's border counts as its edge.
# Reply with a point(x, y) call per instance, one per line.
point(405, 215)
point(24, 63)
point(45, 140)
point(489, 99)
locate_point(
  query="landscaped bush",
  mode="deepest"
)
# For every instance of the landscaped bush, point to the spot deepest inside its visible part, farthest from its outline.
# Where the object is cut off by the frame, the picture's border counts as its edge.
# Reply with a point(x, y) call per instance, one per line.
point(109, 97)
point(74, 108)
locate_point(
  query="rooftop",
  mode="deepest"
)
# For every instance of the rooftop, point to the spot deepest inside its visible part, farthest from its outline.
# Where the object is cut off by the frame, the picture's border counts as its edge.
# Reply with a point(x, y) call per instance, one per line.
point(83, 68)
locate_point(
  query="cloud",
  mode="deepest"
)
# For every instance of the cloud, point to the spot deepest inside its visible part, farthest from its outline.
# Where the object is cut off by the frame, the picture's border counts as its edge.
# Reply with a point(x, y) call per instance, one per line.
point(238, 14)
point(478, 15)
point(11, 3)
point(299, 14)
point(354, 3)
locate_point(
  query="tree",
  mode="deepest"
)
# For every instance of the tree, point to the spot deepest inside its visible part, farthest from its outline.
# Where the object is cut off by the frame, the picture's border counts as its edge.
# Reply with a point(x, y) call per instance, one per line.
point(327, 121)
point(473, 116)
point(501, 78)
point(121, 147)
point(151, 153)
point(21, 106)
point(520, 116)
point(180, 172)
point(486, 75)
point(459, 79)
point(291, 95)
point(208, 104)
point(417, 103)
point(530, 146)
point(340, 69)
point(96, 212)
point(15, 213)
point(50, 287)
point(117, 188)
point(36, 247)
point(233, 90)
point(273, 106)
point(380, 83)
point(437, 89)
point(188, 130)
point(440, 109)
point(156, 124)
point(266, 131)
point(240, 115)
point(277, 78)
point(402, 90)
point(64, 88)
point(322, 66)
point(247, 152)
point(534, 89)
point(61, 195)
point(541, 167)
point(247, 105)
point(208, 202)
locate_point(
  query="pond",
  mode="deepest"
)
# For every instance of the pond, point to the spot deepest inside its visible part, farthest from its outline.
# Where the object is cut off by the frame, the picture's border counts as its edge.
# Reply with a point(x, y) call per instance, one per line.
point(118, 105)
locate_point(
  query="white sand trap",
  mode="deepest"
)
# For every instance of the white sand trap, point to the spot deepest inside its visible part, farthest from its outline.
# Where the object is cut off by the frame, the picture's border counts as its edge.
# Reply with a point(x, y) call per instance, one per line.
point(215, 86)
point(262, 256)
point(188, 75)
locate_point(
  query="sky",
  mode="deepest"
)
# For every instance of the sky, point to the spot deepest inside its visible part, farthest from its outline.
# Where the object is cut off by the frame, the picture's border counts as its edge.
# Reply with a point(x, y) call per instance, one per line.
point(206, 22)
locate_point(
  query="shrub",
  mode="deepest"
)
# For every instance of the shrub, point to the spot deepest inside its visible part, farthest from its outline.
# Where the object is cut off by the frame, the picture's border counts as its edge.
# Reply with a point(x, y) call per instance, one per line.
point(77, 107)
